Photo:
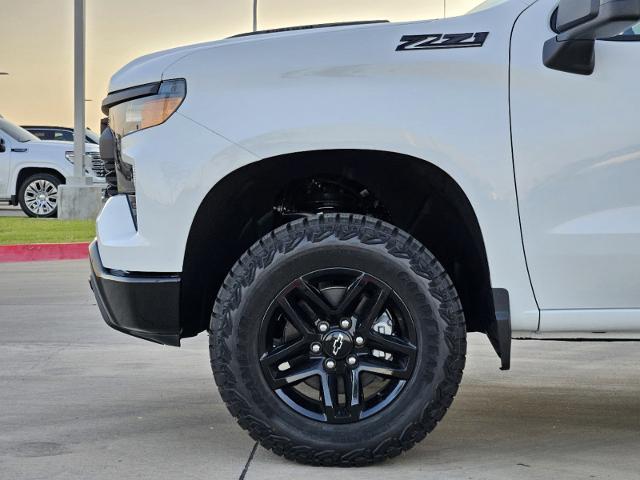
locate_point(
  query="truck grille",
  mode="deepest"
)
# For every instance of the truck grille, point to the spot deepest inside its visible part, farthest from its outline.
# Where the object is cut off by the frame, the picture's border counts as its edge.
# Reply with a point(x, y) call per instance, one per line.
point(97, 165)
point(108, 155)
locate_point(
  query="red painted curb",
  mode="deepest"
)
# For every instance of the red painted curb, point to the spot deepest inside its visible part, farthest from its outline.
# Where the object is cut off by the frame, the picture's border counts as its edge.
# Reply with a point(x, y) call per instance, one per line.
point(40, 252)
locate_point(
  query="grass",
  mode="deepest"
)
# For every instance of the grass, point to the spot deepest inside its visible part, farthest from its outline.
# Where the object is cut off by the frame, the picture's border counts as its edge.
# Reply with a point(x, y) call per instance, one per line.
point(36, 230)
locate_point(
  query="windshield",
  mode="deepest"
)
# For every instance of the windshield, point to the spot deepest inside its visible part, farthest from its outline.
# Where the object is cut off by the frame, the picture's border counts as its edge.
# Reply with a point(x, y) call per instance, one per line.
point(93, 137)
point(19, 134)
point(485, 5)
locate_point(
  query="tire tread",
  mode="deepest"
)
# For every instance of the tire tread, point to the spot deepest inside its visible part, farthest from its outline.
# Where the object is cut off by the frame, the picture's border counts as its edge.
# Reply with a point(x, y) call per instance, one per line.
point(283, 240)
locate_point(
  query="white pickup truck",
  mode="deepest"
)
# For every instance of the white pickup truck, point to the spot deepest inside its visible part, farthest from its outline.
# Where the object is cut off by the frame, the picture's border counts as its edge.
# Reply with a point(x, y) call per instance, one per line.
point(31, 170)
point(339, 205)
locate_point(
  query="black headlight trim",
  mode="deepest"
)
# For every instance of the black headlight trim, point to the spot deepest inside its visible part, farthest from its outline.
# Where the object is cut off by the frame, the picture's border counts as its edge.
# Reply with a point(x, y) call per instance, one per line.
point(128, 94)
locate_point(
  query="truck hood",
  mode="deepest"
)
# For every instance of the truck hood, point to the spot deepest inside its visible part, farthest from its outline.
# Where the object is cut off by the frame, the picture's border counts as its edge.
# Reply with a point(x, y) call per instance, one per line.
point(50, 146)
point(149, 68)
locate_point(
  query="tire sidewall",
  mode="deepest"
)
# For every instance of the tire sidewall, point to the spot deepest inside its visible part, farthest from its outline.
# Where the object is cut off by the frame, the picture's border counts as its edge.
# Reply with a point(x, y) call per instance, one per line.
point(38, 176)
point(408, 272)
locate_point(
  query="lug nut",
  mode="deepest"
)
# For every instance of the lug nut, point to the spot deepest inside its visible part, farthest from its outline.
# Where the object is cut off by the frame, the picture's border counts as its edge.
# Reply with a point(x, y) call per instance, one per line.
point(323, 327)
point(359, 341)
point(316, 347)
point(352, 360)
point(330, 364)
point(345, 323)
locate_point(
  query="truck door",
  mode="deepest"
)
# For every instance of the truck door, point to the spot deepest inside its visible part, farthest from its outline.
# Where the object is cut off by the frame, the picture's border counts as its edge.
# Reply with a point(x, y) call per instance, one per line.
point(576, 145)
point(5, 164)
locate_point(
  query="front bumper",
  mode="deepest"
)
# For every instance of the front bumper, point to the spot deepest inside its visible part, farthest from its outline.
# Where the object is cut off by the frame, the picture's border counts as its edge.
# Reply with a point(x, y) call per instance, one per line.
point(144, 306)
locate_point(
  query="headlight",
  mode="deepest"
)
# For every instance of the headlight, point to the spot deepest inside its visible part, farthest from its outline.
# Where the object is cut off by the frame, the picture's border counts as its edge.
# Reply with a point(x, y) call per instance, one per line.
point(149, 111)
point(133, 206)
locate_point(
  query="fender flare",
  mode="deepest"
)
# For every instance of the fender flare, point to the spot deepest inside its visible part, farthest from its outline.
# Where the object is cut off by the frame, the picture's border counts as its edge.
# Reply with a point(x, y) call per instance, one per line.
point(13, 183)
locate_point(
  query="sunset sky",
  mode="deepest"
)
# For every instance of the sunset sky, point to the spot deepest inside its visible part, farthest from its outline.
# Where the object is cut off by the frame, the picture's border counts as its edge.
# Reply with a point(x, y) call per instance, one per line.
point(36, 40)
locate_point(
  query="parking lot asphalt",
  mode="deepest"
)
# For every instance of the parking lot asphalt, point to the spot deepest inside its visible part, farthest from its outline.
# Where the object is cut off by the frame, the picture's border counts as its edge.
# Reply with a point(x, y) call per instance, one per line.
point(79, 400)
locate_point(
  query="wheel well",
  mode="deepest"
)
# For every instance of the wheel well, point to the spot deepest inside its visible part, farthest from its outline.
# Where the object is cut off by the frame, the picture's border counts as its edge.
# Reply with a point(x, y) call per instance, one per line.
point(27, 172)
point(412, 194)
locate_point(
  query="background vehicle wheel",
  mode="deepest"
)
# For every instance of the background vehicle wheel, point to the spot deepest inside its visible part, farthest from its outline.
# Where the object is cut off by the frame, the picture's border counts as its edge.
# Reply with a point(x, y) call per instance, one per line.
point(38, 195)
point(338, 340)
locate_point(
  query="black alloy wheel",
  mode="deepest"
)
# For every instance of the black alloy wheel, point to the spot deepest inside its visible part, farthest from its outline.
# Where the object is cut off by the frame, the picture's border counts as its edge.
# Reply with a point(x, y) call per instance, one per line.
point(338, 345)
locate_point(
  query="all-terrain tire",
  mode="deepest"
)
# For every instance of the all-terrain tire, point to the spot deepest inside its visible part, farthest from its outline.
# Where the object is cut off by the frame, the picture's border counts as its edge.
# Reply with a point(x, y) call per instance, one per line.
point(350, 241)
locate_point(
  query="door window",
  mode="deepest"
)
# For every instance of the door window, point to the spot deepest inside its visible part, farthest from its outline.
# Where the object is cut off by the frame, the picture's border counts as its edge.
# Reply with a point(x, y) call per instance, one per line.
point(4, 142)
point(63, 135)
point(629, 35)
point(41, 134)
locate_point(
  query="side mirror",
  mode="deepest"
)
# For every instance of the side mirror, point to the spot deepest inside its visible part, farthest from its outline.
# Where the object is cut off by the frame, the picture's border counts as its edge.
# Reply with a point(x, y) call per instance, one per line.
point(3, 147)
point(579, 23)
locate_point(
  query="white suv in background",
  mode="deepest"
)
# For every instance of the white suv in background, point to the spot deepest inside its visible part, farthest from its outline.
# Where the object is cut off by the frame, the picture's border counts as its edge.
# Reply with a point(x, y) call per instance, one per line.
point(32, 169)
point(64, 134)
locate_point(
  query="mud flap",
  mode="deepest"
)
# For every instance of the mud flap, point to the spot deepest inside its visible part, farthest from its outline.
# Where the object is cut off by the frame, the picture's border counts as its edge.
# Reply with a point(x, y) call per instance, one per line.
point(499, 331)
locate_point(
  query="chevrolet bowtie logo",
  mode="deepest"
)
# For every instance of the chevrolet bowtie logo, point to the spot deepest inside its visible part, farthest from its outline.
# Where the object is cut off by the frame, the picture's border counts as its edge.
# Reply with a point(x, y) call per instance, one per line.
point(337, 344)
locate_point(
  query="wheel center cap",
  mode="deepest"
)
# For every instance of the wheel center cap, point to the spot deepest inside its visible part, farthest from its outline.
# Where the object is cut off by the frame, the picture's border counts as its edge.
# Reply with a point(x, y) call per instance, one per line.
point(337, 344)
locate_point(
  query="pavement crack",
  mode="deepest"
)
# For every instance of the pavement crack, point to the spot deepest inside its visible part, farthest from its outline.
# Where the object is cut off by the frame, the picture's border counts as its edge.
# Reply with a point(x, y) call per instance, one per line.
point(43, 362)
point(246, 467)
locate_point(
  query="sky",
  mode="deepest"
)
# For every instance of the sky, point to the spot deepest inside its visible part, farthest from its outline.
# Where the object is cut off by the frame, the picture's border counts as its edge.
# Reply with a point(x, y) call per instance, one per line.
point(36, 40)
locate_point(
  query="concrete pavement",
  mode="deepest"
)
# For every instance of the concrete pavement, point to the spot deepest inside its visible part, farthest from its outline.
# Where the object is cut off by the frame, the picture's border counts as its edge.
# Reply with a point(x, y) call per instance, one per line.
point(7, 210)
point(78, 400)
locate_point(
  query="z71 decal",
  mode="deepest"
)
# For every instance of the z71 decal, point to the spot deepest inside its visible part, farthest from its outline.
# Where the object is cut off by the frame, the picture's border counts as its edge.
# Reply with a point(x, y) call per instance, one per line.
point(440, 40)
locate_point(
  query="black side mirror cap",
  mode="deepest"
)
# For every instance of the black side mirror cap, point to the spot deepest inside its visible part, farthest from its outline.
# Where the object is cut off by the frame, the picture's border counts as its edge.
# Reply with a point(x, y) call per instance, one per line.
point(574, 56)
point(578, 24)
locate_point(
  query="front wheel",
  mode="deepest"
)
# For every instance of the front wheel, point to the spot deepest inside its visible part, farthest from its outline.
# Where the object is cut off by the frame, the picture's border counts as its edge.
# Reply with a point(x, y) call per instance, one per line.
point(38, 195)
point(338, 340)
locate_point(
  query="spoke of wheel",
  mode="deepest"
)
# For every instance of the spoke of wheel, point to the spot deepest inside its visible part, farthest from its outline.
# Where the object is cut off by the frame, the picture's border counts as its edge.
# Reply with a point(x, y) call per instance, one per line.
point(374, 312)
point(296, 374)
point(329, 386)
point(311, 295)
point(384, 369)
point(284, 353)
point(390, 344)
point(353, 292)
point(353, 394)
point(303, 326)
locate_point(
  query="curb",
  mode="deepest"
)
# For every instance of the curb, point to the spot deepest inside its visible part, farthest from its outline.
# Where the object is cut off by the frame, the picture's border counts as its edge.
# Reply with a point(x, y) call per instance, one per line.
point(41, 252)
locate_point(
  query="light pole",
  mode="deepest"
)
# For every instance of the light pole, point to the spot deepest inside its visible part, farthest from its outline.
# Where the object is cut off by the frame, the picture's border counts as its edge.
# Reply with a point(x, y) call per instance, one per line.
point(1, 74)
point(255, 15)
point(79, 87)
point(79, 198)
